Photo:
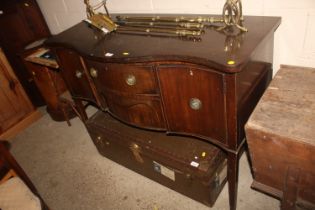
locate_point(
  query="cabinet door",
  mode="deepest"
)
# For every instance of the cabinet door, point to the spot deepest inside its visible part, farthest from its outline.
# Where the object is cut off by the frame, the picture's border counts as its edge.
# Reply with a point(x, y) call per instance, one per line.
point(75, 76)
point(49, 83)
point(194, 101)
point(14, 104)
point(34, 18)
point(15, 32)
point(21, 23)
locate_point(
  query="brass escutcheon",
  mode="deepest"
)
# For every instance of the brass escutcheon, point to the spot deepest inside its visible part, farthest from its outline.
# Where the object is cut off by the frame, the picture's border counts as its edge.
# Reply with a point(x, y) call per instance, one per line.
point(93, 72)
point(78, 74)
point(195, 103)
point(131, 80)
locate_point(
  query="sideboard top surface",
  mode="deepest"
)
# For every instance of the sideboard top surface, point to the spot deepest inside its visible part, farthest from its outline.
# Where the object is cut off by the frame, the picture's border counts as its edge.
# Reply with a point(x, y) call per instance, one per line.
point(210, 51)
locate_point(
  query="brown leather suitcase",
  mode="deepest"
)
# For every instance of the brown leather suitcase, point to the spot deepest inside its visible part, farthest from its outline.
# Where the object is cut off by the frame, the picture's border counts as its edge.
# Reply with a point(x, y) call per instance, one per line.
point(187, 165)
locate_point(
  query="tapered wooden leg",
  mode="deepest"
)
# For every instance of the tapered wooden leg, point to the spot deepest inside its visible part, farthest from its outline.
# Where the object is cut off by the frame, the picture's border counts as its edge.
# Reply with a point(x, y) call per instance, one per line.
point(232, 177)
point(81, 109)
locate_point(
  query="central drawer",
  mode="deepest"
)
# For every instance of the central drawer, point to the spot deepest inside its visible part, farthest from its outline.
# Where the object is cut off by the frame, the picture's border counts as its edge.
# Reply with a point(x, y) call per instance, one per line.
point(130, 91)
point(128, 78)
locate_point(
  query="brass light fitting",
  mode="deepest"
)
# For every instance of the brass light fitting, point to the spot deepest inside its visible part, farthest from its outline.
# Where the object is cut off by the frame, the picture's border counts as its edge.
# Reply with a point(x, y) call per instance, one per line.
point(181, 26)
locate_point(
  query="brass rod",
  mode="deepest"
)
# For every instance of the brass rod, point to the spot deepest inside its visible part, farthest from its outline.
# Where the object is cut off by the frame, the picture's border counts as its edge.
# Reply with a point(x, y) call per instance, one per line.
point(162, 24)
point(185, 38)
point(159, 30)
point(199, 19)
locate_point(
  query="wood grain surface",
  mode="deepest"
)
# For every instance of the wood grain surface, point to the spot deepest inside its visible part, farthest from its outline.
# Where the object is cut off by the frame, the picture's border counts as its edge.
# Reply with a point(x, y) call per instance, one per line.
point(288, 106)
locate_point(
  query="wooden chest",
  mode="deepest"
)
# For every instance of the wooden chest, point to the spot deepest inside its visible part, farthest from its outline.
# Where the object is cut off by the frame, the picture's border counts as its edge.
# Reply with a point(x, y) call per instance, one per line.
point(281, 134)
point(194, 168)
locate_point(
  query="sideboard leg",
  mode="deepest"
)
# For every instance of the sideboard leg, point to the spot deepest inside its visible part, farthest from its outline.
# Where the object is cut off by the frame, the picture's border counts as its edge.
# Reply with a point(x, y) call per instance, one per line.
point(81, 109)
point(232, 177)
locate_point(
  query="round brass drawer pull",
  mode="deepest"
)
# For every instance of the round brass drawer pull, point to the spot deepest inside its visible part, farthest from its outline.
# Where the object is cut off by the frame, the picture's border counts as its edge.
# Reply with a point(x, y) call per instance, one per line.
point(131, 80)
point(195, 103)
point(78, 74)
point(93, 73)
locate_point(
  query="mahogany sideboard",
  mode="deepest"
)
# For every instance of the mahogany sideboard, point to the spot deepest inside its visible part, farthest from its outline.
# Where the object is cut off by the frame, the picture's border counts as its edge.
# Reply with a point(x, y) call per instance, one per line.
point(205, 89)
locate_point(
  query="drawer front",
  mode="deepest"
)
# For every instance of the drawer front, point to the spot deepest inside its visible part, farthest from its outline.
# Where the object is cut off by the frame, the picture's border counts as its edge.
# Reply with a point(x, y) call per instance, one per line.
point(139, 110)
point(194, 101)
point(134, 79)
point(130, 92)
point(74, 74)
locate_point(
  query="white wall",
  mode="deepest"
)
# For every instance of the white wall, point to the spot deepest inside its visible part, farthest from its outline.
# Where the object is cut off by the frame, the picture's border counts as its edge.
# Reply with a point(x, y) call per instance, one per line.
point(294, 39)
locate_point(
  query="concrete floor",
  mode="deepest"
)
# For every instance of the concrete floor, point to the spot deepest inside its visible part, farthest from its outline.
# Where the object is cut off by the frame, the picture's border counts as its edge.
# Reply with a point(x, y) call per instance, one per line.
point(65, 166)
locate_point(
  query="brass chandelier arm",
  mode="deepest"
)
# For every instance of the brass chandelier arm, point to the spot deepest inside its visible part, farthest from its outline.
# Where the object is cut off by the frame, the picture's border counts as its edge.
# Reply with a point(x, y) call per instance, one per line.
point(194, 26)
point(168, 35)
point(166, 28)
point(178, 32)
point(181, 19)
point(174, 25)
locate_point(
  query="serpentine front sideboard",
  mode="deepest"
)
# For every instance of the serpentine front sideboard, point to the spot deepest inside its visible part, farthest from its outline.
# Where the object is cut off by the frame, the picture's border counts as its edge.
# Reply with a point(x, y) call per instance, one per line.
point(205, 89)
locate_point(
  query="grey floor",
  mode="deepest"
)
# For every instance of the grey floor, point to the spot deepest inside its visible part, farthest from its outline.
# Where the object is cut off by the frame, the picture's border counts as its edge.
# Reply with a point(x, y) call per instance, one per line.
point(70, 174)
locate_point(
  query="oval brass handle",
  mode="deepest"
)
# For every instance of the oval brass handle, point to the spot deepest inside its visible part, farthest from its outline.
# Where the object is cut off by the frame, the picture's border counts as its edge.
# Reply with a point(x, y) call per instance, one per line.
point(78, 74)
point(131, 80)
point(93, 72)
point(195, 103)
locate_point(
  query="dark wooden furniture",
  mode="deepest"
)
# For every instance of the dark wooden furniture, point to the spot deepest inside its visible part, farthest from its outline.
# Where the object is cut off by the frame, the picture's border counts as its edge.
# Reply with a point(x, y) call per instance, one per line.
point(193, 168)
point(21, 23)
point(16, 110)
point(8, 165)
point(280, 135)
point(199, 89)
point(47, 78)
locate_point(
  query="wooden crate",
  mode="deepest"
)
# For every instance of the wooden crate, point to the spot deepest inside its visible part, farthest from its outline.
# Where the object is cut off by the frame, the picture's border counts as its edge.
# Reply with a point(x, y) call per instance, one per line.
point(281, 131)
